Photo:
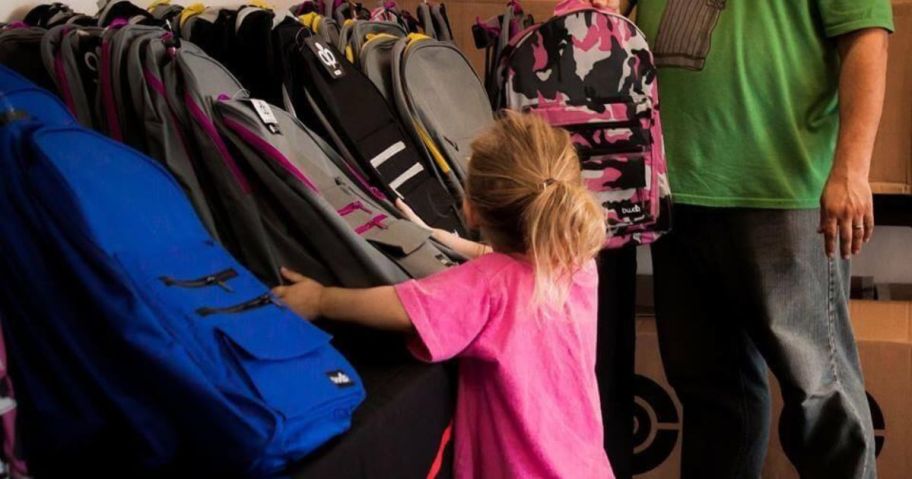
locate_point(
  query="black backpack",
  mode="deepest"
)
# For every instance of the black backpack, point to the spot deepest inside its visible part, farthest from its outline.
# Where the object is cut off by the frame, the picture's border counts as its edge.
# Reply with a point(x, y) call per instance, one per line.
point(328, 92)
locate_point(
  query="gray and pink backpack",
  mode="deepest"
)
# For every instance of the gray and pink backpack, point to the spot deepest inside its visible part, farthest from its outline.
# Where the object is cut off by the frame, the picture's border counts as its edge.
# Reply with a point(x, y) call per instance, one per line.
point(591, 72)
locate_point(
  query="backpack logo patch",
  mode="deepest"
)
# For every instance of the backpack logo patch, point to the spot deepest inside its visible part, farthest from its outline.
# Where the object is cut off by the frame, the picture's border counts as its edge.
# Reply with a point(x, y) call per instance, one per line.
point(326, 56)
point(340, 379)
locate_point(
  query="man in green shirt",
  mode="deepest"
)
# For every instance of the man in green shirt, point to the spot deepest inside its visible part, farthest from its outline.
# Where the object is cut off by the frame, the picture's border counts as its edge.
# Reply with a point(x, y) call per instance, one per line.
point(770, 110)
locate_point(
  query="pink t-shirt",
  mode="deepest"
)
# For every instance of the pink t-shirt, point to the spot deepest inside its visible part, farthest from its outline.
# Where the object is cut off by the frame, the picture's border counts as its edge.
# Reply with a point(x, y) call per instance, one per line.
point(528, 404)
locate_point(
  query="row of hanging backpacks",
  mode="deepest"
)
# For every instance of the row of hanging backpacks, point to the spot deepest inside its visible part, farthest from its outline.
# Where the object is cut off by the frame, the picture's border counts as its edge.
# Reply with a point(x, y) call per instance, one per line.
point(334, 97)
point(590, 71)
point(417, 73)
point(20, 41)
point(320, 221)
point(156, 92)
point(233, 383)
point(266, 49)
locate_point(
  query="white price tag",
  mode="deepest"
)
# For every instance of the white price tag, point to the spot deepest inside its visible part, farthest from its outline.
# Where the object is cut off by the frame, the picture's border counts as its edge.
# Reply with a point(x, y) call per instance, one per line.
point(264, 111)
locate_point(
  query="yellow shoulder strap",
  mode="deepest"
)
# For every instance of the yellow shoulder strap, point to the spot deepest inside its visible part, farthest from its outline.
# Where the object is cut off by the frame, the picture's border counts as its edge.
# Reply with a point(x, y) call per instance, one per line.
point(259, 4)
point(157, 3)
point(417, 37)
point(191, 11)
point(308, 19)
point(432, 148)
point(377, 36)
point(414, 38)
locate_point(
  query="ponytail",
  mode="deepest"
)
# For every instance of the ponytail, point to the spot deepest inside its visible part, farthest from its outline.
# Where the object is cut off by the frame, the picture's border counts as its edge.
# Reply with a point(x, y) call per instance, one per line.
point(525, 186)
point(564, 228)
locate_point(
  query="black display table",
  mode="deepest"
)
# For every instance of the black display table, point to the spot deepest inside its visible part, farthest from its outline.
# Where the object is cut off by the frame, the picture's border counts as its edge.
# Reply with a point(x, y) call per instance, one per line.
point(399, 430)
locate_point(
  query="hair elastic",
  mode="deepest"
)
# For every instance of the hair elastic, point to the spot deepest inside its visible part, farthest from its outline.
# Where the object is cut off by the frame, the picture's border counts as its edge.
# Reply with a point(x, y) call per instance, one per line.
point(545, 184)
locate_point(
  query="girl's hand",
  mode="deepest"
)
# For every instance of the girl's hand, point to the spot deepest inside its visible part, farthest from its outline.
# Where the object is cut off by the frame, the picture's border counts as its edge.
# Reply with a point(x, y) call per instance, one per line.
point(612, 4)
point(303, 296)
point(410, 214)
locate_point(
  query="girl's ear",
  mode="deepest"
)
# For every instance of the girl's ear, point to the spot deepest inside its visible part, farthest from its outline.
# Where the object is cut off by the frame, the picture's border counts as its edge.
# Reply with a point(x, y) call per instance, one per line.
point(470, 215)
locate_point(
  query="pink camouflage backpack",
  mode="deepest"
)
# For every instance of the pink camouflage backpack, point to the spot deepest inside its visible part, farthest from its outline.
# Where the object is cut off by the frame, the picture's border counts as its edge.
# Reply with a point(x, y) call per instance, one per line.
point(591, 72)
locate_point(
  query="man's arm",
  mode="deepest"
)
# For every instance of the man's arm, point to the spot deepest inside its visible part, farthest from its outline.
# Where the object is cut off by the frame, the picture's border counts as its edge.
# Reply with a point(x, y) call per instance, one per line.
point(847, 208)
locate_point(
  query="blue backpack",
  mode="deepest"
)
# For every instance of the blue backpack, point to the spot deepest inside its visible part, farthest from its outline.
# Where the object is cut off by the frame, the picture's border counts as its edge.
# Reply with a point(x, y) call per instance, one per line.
point(138, 345)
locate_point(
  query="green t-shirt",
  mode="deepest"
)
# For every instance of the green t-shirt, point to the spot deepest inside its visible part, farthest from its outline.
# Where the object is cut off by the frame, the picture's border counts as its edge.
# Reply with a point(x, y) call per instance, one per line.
point(749, 94)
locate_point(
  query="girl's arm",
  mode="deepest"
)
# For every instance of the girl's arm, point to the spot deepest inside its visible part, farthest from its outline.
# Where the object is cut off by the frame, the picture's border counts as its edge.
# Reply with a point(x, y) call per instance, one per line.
point(469, 249)
point(374, 307)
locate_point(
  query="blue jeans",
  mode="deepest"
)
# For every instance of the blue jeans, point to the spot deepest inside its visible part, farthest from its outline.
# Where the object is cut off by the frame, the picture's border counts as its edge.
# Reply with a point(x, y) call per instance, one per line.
point(740, 289)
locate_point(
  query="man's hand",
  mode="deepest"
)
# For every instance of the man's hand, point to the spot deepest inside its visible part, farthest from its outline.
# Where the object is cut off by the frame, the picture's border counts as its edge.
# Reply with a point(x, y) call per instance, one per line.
point(612, 4)
point(846, 213)
point(303, 296)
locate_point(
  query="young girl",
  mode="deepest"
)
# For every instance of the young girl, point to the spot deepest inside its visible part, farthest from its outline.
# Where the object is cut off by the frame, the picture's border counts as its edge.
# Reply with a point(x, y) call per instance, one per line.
point(521, 319)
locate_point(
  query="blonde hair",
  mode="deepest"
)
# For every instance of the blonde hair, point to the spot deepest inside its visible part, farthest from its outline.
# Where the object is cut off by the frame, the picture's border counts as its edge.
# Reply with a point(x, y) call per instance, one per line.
point(525, 187)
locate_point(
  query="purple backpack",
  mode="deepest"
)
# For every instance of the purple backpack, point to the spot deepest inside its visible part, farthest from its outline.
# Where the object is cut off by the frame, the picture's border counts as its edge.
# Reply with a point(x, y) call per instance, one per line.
point(590, 71)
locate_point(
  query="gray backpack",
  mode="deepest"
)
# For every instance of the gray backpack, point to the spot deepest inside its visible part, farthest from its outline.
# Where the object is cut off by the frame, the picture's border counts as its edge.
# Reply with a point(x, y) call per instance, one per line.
point(20, 45)
point(426, 74)
point(298, 176)
point(426, 19)
point(119, 116)
point(433, 20)
point(166, 138)
point(441, 22)
point(71, 53)
point(194, 82)
point(355, 33)
point(376, 62)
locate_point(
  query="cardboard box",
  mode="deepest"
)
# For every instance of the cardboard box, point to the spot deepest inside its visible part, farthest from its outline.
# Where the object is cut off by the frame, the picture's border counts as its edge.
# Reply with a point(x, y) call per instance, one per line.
point(883, 330)
point(891, 167)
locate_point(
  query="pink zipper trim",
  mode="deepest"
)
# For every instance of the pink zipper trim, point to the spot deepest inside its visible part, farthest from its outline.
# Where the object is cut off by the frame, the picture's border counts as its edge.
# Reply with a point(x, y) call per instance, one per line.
point(210, 130)
point(264, 147)
point(352, 207)
point(375, 222)
point(156, 84)
point(62, 77)
point(108, 92)
point(64, 86)
point(374, 191)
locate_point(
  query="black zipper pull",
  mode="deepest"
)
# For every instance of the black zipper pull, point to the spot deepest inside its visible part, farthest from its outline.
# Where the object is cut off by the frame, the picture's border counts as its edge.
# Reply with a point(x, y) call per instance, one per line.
point(258, 302)
point(218, 279)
